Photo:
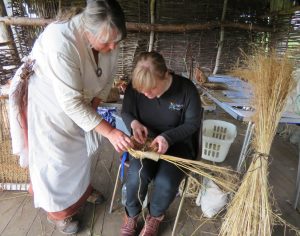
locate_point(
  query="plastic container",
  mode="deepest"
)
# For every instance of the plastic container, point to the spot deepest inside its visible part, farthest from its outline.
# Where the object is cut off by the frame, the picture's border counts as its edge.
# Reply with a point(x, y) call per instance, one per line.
point(124, 195)
point(217, 136)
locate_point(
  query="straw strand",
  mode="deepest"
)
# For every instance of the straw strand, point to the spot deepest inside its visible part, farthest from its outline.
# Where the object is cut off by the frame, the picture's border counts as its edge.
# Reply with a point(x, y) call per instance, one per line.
point(224, 177)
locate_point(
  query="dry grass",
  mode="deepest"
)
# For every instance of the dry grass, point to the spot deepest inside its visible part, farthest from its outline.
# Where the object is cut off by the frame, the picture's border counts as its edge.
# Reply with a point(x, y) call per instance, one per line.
point(192, 189)
point(226, 178)
point(10, 170)
point(250, 212)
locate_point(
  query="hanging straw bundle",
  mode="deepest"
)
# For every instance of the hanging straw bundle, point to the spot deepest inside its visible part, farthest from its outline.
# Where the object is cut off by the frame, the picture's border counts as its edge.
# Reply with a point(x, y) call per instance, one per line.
point(224, 177)
point(250, 212)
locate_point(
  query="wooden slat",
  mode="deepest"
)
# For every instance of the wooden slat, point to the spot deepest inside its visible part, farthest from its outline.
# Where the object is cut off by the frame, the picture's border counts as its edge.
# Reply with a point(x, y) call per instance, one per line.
point(22, 219)
point(10, 202)
point(87, 218)
point(40, 225)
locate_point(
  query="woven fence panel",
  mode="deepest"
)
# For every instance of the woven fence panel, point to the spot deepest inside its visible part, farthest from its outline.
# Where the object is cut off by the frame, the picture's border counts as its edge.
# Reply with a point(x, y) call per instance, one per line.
point(287, 38)
point(183, 51)
point(180, 49)
point(24, 36)
point(73, 3)
point(136, 10)
point(203, 11)
point(131, 46)
point(193, 11)
point(9, 62)
point(12, 176)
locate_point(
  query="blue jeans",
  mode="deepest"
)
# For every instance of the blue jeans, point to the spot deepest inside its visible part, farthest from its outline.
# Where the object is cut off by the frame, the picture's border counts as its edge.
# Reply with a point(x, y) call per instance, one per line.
point(166, 178)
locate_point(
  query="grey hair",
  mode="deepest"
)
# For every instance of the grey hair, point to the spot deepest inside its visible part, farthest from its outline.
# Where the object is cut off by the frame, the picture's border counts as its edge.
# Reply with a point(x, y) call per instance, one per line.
point(100, 15)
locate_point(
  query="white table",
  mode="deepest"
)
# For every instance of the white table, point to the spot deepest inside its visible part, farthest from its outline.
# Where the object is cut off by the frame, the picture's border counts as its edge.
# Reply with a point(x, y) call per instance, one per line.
point(234, 102)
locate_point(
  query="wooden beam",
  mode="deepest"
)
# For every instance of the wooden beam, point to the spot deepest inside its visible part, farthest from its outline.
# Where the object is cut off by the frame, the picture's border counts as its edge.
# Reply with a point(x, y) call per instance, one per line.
point(144, 27)
point(25, 21)
point(194, 27)
point(2, 44)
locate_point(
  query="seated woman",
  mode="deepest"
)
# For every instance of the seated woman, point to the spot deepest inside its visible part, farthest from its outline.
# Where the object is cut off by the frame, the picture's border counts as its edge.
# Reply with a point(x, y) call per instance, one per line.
point(165, 107)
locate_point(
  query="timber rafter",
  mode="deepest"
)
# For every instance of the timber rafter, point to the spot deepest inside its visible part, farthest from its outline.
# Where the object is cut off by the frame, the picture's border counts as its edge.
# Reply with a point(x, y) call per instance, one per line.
point(144, 27)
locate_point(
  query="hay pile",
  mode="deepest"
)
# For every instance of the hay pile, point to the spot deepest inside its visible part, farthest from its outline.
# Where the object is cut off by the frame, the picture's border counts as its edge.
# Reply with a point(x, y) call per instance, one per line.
point(250, 212)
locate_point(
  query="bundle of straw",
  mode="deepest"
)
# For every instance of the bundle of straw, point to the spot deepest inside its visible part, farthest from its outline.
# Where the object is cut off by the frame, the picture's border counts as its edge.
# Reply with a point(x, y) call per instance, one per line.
point(250, 212)
point(224, 177)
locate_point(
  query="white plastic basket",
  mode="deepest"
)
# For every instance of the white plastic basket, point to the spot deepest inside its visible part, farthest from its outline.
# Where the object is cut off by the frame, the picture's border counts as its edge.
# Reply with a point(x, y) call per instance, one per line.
point(217, 137)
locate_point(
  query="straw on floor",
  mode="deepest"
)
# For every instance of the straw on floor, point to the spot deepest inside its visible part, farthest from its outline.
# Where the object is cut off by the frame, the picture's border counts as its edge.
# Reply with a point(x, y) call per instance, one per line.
point(270, 75)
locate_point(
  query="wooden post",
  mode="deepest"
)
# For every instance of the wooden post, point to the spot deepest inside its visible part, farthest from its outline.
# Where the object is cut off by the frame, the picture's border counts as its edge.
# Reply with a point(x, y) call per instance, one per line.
point(221, 39)
point(152, 21)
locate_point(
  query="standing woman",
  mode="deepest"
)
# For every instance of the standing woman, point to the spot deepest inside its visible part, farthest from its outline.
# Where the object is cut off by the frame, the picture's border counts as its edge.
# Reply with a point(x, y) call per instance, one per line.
point(74, 64)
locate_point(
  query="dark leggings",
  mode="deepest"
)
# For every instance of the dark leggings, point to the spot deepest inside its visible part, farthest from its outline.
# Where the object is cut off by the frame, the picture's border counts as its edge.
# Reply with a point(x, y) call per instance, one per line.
point(166, 177)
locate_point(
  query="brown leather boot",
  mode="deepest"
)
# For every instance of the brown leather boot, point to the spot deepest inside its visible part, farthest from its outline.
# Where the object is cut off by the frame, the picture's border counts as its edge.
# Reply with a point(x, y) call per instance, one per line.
point(151, 225)
point(129, 225)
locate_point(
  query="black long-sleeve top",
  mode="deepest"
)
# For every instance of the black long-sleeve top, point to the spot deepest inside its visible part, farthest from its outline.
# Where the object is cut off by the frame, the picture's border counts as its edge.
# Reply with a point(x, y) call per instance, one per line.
point(175, 115)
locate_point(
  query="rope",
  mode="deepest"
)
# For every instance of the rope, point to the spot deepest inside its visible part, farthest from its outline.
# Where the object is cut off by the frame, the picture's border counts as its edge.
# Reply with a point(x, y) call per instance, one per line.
point(139, 189)
point(259, 156)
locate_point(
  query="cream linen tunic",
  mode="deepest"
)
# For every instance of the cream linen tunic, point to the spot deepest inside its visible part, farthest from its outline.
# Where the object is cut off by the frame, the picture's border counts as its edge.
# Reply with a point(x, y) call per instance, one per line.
point(59, 113)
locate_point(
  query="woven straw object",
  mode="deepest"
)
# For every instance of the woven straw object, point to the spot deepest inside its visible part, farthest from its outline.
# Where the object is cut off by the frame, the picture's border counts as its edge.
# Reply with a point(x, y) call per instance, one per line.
point(12, 176)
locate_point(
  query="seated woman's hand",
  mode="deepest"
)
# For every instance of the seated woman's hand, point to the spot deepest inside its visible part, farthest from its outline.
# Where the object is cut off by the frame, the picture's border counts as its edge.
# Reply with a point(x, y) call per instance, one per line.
point(140, 132)
point(161, 144)
point(119, 140)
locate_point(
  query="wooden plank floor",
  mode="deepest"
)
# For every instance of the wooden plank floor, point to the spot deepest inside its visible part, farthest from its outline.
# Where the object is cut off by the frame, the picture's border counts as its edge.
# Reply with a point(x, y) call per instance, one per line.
point(19, 217)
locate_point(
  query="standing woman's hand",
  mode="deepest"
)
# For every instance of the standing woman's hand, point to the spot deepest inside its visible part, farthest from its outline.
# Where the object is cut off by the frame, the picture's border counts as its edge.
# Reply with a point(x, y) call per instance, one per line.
point(140, 132)
point(96, 102)
point(161, 144)
point(119, 140)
